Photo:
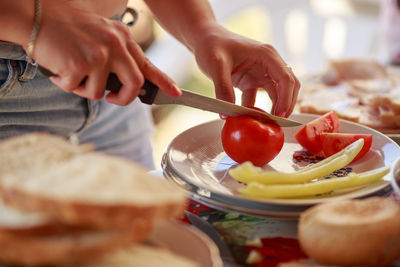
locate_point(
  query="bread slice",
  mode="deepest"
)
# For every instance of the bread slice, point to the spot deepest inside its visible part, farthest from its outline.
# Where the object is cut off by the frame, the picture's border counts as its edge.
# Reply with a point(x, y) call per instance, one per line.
point(31, 238)
point(33, 153)
point(143, 255)
point(14, 221)
point(49, 175)
point(67, 247)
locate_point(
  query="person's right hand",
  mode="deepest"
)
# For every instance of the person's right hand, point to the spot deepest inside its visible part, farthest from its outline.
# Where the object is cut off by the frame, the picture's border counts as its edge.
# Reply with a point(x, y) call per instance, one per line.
point(74, 43)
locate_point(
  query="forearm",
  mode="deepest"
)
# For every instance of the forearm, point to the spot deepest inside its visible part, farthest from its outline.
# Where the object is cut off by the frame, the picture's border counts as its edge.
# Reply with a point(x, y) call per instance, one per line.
point(186, 20)
point(16, 21)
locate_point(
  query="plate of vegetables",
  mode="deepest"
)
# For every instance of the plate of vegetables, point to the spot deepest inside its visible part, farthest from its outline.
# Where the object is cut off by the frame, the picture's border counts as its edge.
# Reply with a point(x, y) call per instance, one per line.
point(246, 166)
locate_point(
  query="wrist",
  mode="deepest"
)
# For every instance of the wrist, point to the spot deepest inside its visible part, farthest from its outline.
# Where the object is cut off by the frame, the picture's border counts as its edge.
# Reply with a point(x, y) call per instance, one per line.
point(205, 35)
point(16, 21)
point(35, 30)
point(198, 35)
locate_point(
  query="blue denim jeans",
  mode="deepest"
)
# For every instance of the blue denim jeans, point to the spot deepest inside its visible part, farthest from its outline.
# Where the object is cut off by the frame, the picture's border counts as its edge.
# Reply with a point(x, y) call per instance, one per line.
point(30, 102)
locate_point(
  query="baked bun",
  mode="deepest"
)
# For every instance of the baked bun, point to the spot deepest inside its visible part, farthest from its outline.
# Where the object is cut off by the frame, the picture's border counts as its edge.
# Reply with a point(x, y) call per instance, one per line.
point(67, 247)
point(65, 204)
point(352, 232)
point(143, 255)
point(300, 263)
point(76, 187)
point(32, 239)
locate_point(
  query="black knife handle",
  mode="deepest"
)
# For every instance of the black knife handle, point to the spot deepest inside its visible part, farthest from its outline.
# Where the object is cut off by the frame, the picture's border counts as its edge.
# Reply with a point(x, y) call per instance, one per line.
point(146, 95)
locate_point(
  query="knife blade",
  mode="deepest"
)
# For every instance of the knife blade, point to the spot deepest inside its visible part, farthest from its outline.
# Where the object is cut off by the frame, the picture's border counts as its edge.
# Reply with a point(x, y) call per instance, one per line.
point(150, 94)
point(212, 233)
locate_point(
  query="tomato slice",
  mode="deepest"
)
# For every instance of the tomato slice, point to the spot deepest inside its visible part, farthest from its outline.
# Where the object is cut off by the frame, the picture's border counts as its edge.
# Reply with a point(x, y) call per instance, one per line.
point(334, 142)
point(309, 135)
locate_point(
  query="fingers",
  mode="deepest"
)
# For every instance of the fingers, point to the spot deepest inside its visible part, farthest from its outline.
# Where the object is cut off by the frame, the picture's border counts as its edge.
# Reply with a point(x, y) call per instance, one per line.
point(131, 77)
point(90, 89)
point(124, 58)
point(152, 73)
point(295, 95)
point(68, 83)
point(221, 76)
point(249, 97)
point(287, 85)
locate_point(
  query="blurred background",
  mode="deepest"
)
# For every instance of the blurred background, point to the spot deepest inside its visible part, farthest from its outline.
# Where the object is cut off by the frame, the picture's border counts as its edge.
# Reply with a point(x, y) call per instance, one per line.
point(307, 33)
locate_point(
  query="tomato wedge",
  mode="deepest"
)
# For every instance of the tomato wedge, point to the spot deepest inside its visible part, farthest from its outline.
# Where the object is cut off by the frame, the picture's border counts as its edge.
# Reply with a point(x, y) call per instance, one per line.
point(334, 142)
point(309, 136)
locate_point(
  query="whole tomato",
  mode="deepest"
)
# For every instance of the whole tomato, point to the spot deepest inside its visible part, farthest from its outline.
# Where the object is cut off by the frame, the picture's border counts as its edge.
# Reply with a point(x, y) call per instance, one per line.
point(247, 139)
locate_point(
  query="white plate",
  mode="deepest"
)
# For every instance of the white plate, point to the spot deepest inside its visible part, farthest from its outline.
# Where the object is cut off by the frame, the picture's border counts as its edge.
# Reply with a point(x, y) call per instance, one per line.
point(195, 159)
point(396, 177)
point(187, 241)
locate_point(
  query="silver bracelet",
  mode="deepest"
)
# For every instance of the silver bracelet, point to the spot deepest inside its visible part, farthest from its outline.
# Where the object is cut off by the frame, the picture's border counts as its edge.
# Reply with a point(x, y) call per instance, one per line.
point(36, 23)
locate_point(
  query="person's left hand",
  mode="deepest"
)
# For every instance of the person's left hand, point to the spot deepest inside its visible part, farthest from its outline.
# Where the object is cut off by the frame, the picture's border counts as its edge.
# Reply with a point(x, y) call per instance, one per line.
point(233, 60)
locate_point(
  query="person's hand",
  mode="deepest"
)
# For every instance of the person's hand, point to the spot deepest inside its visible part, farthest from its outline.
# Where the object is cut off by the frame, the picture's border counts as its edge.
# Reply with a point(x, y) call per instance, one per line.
point(74, 43)
point(233, 60)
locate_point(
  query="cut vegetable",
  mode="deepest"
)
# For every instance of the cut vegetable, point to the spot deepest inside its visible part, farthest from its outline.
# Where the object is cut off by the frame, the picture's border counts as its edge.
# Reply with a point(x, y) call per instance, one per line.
point(247, 172)
point(258, 190)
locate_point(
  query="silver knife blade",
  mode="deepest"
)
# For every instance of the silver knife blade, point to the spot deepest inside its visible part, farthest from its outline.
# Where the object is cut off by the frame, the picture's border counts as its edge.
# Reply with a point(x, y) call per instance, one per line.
point(202, 102)
point(211, 232)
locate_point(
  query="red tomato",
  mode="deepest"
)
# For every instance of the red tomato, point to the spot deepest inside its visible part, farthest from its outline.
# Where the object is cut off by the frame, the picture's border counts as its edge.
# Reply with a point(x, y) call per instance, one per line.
point(334, 142)
point(247, 139)
point(309, 135)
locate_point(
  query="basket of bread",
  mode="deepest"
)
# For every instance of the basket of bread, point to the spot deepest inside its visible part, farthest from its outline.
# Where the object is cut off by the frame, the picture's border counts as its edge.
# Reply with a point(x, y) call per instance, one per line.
point(65, 205)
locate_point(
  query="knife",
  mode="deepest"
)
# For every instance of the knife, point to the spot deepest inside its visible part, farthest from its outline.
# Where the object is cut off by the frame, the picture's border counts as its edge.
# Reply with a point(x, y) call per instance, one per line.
point(212, 233)
point(150, 94)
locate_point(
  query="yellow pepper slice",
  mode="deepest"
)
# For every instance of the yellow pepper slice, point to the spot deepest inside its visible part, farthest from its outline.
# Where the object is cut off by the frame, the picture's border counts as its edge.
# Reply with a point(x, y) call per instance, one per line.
point(258, 190)
point(247, 172)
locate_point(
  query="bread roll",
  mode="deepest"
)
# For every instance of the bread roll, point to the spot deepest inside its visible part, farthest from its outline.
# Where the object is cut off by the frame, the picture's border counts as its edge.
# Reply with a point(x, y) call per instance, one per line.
point(352, 232)
point(49, 175)
point(64, 203)
point(31, 238)
point(143, 255)
point(33, 153)
point(67, 247)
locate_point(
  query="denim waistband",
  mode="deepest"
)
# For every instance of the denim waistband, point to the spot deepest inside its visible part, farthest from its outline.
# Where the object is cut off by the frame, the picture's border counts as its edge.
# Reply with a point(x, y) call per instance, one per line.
point(12, 51)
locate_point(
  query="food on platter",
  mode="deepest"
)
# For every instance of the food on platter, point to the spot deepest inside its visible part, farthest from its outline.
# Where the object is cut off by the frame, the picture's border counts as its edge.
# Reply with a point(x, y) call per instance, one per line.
point(352, 180)
point(65, 203)
point(247, 139)
point(352, 232)
point(309, 136)
point(362, 91)
point(353, 69)
point(248, 173)
point(321, 137)
point(334, 142)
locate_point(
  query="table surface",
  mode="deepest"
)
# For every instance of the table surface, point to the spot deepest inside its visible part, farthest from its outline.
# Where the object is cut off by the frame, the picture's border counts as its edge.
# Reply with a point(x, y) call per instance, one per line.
point(278, 237)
